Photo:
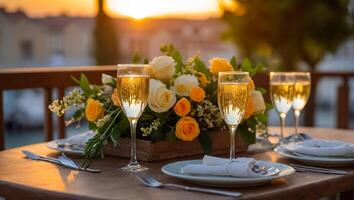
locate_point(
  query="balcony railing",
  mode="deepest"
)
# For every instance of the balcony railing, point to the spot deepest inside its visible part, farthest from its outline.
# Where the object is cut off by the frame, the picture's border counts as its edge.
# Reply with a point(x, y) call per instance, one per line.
point(59, 78)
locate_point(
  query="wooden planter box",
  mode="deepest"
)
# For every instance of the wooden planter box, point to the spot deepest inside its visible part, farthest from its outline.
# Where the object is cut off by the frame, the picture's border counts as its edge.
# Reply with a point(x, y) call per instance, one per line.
point(162, 150)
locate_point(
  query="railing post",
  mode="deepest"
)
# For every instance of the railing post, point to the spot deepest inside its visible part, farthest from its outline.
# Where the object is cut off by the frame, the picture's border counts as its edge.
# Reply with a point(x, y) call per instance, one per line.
point(2, 129)
point(61, 120)
point(48, 122)
point(343, 105)
point(310, 108)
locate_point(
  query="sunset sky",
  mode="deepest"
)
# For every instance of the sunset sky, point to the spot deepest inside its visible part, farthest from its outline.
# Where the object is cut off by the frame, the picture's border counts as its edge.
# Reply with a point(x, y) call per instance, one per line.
point(132, 8)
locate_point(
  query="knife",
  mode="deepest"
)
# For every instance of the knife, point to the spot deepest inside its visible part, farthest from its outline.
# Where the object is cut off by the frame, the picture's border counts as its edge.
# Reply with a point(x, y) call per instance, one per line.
point(62, 160)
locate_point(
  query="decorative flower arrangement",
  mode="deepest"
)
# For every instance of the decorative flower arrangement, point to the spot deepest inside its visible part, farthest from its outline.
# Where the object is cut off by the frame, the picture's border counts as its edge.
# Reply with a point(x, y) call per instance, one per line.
point(182, 103)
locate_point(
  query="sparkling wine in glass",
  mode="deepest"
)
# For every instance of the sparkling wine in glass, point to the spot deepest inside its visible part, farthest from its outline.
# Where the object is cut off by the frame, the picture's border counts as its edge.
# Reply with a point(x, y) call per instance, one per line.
point(301, 95)
point(233, 93)
point(282, 95)
point(133, 91)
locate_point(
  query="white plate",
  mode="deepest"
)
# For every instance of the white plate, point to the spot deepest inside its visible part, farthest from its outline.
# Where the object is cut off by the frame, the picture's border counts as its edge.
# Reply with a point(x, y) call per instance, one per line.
point(174, 170)
point(73, 151)
point(317, 160)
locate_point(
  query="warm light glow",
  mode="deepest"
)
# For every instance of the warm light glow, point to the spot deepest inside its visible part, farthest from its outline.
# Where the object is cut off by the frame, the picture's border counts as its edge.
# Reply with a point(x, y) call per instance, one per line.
point(139, 9)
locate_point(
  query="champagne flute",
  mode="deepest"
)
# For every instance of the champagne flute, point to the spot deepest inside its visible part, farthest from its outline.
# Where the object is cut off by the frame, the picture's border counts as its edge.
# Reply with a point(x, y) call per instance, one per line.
point(301, 95)
point(233, 93)
point(133, 91)
point(282, 96)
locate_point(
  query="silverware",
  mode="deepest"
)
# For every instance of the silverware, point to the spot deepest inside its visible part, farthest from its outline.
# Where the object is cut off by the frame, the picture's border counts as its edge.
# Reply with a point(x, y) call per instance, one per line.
point(265, 171)
point(34, 156)
point(69, 146)
point(303, 168)
point(71, 164)
point(152, 182)
point(62, 160)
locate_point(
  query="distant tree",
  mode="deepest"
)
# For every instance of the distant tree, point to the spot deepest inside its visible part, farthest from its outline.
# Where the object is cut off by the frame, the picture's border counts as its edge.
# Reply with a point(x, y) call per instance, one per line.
point(292, 30)
point(106, 45)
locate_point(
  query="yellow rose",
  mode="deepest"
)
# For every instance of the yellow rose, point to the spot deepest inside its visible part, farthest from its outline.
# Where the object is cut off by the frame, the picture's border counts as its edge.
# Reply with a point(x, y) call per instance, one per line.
point(197, 94)
point(203, 81)
point(94, 110)
point(251, 85)
point(115, 98)
point(182, 107)
point(255, 104)
point(187, 129)
point(249, 108)
point(219, 65)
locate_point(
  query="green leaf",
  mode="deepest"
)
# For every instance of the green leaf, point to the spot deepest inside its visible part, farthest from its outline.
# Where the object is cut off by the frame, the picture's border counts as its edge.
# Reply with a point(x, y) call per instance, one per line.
point(200, 67)
point(233, 62)
point(205, 142)
point(248, 136)
point(146, 61)
point(123, 124)
point(92, 126)
point(75, 79)
point(263, 118)
point(176, 55)
point(269, 106)
point(85, 84)
point(261, 89)
point(246, 66)
point(136, 58)
point(79, 114)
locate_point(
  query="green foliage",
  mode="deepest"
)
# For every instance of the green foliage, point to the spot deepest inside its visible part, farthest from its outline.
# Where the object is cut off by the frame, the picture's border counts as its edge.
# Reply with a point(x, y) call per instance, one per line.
point(293, 30)
point(201, 67)
point(136, 58)
point(205, 142)
point(233, 62)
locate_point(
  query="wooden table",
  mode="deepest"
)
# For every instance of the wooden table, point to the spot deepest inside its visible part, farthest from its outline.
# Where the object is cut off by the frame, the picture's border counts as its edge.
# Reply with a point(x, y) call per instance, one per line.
point(26, 179)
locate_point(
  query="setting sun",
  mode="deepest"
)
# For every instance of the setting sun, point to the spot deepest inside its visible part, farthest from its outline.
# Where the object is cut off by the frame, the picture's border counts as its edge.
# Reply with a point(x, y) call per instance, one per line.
point(139, 9)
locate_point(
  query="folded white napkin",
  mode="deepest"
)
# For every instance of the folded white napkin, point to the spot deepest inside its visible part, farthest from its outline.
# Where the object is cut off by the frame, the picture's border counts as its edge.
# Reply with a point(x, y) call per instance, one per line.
point(240, 167)
point(317, 147)
point(81, 139)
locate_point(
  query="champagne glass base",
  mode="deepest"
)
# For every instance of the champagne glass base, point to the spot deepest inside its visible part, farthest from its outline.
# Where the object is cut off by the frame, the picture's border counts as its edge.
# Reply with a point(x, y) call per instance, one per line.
point(134, 168)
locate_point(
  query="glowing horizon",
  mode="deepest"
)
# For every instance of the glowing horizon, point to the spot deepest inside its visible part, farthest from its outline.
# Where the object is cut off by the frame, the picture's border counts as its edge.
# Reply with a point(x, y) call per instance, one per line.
point(137, 9)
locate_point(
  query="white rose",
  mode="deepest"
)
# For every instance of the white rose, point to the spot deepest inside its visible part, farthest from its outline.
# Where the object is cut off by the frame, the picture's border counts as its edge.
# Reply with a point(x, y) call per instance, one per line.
point(160, 98)
point(107, 79)
point(184, 83)
point(162, 68)
point(258, 100)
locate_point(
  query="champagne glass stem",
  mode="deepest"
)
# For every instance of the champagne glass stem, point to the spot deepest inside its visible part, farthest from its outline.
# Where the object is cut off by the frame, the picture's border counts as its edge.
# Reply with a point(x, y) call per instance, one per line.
point(133, 124)
point(282, 125)
point(232, 141)
point(297, 115)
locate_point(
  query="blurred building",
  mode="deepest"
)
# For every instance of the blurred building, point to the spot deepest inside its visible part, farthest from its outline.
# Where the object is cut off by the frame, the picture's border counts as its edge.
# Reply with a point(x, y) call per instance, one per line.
point(63, 40)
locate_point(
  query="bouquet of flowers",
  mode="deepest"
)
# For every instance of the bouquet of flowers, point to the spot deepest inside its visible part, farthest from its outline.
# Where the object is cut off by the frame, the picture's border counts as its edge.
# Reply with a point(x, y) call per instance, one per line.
point(182, 103)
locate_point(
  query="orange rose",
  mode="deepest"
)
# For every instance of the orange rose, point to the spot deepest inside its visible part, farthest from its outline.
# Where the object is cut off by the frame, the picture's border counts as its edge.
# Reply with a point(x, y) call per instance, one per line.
point(251, 85)
point(94, 110)
point(203, 80)
point(187, 129)
point(115, 98)
point(182, 107)
point(249, 108)
point(197, 94)
point(219, 65)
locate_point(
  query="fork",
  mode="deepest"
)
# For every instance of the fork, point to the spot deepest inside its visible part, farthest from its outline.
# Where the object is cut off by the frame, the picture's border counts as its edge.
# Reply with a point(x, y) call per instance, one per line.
point(303, 168)
point(150, 181)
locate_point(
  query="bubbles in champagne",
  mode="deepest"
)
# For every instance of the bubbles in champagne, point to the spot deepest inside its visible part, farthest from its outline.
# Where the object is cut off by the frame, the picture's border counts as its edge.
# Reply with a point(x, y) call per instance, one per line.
point(232, 100)
point(282, 95)
point(133, 93)
point(301, 94)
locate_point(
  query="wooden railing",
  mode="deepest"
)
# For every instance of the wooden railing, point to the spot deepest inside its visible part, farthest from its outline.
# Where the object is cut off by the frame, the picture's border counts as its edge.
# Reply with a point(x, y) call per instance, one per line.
point(59, 78)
